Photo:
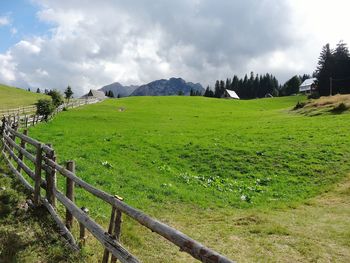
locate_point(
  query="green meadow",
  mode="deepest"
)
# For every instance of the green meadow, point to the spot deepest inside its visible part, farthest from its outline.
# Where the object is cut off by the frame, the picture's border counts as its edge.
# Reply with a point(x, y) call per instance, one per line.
point(11, 97)
point(250, 179)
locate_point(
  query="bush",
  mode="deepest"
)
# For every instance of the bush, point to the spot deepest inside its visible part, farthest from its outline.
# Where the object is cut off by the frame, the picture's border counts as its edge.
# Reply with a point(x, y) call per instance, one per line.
point(299, 105)
point(44, 107)
point(57, 98)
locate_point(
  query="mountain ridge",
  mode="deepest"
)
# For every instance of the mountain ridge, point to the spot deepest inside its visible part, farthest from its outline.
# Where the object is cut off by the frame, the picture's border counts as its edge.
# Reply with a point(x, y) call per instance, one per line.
point(164, 87)
point(160, 87)
point(119, 89)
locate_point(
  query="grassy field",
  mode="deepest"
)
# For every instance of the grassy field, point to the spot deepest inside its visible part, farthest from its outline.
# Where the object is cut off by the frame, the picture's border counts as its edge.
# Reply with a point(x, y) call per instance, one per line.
point(11, 97)
point(244, 177)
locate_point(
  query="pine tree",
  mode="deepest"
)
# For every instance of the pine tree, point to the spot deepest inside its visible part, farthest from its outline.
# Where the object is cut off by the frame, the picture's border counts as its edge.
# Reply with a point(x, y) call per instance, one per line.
point(324, 70)
point(217, 89)
point(68, 93)
point(208, 92)
point(291, 86)
point(341, 73)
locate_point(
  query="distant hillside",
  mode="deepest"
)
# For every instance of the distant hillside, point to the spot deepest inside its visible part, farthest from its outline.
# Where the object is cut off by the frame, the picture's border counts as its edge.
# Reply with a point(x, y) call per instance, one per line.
point(11, 97)
point(165, 87)
point(118, 88)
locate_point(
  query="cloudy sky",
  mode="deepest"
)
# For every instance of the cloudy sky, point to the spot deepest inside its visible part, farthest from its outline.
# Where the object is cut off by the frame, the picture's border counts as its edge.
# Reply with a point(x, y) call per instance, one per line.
point(88, 44)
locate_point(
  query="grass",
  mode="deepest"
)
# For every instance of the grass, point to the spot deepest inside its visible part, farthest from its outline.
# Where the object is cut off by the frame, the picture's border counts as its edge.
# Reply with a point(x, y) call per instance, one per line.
point(11, 97)
point(240, 176)
point(27, 235)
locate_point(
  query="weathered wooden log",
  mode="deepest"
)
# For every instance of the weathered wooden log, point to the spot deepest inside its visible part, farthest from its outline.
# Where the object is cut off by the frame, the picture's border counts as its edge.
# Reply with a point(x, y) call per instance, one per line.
point(63, 229)
point(22, 151)
point(110, 231)
point(117, 230)
point(20, 162)
point(27, 154)
point(51, 181)
point(19, 176)
point(38, 163)
point(29, 140)
point(82, 234)
point(22, 146)
point(70, 193)
point(96, 230)
point(12, 137)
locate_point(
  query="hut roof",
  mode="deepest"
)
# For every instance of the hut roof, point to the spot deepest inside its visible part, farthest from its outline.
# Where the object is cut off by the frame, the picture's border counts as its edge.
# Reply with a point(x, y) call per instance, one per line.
point(232, 94)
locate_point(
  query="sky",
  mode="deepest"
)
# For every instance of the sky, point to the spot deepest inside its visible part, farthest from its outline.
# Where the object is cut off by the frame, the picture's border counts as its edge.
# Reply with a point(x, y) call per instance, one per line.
point(88, 44)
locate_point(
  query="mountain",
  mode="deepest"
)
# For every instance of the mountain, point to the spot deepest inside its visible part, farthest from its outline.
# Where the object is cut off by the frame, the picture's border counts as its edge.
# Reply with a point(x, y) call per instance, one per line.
point(165, 87)
point(118, 88)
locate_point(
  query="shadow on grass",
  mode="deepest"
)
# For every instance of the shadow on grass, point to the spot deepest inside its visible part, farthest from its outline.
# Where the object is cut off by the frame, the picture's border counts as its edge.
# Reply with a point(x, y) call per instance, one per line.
point(27, 234)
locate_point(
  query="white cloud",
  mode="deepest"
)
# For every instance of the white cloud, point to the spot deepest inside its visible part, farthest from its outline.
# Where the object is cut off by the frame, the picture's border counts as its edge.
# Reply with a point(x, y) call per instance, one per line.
point(7, 68)
point(4, 21)
point(133, 42)
point(27, 47)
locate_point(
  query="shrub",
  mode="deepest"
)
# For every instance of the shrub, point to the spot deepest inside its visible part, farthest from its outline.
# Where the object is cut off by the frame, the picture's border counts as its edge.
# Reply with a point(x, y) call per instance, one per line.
point(44, 107)
point(57, 98)
point(340, 108)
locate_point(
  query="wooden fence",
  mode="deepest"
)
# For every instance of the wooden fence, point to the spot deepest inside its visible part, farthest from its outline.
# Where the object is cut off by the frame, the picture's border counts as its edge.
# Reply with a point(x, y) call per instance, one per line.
point(29, 110)
point(26, 116)
point(18, 111)
point(44, 176)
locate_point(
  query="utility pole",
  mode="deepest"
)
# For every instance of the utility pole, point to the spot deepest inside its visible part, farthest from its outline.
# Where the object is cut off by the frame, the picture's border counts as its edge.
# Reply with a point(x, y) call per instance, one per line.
point(330, 86)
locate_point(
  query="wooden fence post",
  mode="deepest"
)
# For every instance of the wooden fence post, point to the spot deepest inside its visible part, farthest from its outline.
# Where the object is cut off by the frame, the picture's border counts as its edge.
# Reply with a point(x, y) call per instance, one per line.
point(51, 180)
point(38, 164)
point(70, 193)
point(117, 229)
point(82, 235)
point(23, 146)
point(113, 229)
point(33, 119)
point(110, 231)
point(13, 137)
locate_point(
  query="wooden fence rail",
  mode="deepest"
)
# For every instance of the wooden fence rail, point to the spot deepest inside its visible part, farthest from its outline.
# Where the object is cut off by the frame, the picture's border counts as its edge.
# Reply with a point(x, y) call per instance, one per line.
point(18, 111)
point(31, 110)
point(44, 175)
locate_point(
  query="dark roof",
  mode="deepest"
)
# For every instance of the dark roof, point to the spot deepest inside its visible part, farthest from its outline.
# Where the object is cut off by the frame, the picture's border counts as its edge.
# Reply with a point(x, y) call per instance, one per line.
point(96, 94)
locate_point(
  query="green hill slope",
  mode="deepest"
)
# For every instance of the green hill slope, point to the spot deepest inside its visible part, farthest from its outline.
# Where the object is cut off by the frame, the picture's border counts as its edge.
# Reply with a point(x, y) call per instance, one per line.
point(11, 97)
point(186, 158)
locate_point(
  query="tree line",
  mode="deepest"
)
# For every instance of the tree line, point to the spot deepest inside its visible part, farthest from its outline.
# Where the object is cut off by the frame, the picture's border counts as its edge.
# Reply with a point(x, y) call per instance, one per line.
point(332, 74)
point(255, 86)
